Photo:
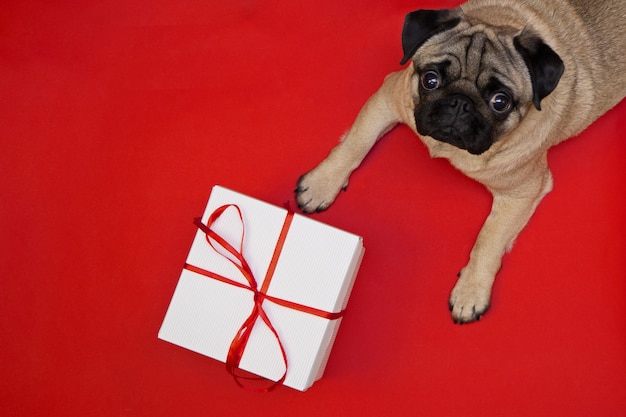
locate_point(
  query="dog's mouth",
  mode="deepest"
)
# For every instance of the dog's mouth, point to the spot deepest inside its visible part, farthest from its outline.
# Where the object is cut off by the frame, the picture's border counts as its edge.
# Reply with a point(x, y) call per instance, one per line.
point(463, 141)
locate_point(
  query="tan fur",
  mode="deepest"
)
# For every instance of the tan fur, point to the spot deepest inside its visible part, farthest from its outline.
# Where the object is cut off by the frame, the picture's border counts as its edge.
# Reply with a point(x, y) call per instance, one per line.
point(587, 35)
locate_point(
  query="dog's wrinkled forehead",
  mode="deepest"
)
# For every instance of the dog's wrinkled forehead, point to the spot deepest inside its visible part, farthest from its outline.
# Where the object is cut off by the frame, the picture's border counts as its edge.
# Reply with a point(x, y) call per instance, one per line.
point(518, 58)
point(476, 53)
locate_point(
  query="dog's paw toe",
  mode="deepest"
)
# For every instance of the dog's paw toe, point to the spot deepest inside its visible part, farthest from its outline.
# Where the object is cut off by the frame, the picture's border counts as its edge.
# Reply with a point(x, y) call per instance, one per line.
point(315, 193)
point(469, 301)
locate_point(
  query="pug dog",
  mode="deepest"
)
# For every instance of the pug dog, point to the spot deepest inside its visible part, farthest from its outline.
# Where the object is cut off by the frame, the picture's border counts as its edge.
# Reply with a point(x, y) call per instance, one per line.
point(491, 86)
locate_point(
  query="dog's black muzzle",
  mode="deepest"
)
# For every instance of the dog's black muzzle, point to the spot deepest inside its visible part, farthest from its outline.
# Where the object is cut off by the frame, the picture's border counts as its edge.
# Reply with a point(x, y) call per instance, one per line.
point(455, 120)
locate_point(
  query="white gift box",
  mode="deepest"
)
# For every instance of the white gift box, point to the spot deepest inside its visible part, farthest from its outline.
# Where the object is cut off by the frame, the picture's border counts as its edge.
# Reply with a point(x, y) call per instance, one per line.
point(315, 266)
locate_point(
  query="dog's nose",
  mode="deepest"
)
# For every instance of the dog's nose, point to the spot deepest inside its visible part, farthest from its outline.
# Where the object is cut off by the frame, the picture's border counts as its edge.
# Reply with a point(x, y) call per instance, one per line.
point(461, 104)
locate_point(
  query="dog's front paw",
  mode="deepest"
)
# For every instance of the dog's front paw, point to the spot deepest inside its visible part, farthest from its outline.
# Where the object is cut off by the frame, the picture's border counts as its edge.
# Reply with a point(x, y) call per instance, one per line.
point(317, 190)
point(470, 298)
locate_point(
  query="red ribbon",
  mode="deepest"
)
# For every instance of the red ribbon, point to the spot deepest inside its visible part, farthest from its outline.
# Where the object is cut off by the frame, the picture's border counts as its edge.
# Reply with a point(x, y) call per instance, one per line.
point(238, 345)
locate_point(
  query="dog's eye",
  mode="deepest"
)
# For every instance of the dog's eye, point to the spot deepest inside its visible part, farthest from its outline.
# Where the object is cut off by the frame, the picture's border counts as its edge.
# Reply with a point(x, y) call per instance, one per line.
point(430, 80)
point(500, 102)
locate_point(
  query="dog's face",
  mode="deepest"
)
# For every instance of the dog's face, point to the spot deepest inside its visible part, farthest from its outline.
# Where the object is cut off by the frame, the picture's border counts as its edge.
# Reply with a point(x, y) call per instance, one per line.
point(474, 83)
point(468, 94)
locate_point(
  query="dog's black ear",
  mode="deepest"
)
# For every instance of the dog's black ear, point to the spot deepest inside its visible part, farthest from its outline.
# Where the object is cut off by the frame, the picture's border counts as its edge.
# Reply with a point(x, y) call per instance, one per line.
point(545, 65)
point(421, 25)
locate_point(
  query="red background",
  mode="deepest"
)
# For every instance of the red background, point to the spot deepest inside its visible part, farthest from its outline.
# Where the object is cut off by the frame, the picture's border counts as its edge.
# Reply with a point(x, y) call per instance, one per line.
point(117, 117)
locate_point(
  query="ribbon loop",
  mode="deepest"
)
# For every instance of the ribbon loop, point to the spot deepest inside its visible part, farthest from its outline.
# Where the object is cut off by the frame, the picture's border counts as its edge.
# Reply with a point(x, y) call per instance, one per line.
point(236, 257)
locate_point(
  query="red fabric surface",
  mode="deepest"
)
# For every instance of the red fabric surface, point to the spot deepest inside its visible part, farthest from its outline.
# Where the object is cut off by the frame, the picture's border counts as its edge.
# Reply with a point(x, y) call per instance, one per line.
point(116, 119)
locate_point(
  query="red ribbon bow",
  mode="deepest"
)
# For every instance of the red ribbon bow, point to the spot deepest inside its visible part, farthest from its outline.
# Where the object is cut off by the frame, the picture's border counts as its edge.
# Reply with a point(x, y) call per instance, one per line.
point(238, 345)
